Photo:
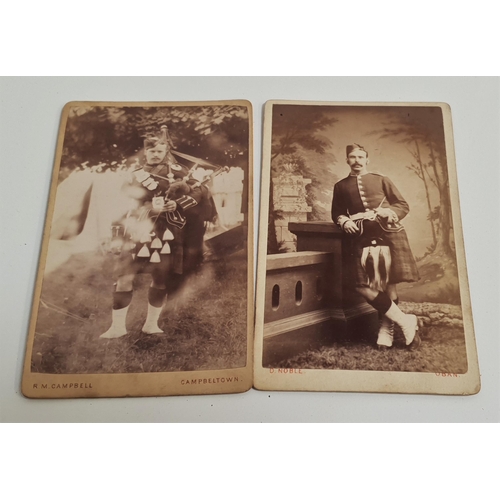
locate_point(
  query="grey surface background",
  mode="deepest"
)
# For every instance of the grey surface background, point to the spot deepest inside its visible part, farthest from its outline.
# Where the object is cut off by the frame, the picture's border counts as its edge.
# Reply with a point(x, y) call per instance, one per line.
point(30, 110)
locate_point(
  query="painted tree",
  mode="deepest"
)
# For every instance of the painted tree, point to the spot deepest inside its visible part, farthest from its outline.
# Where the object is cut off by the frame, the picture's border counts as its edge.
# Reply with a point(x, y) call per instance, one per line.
point(422, 130)
point(298, 145)
point(420, 170)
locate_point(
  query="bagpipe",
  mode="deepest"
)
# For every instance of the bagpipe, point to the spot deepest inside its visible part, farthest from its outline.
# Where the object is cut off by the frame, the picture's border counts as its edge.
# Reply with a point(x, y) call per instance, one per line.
point(179, 190)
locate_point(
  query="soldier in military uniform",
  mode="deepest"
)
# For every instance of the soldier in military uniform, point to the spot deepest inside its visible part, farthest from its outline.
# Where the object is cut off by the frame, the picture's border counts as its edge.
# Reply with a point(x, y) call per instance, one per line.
point(369, 208)
point(162, 235)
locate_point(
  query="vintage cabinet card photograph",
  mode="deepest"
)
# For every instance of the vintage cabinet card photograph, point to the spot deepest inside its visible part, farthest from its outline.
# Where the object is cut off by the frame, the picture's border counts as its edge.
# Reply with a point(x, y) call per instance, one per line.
point(145, 281)
point(362, 281)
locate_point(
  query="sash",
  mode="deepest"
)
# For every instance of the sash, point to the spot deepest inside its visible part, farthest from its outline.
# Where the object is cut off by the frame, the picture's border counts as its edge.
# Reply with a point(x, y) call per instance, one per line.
point(388, 227)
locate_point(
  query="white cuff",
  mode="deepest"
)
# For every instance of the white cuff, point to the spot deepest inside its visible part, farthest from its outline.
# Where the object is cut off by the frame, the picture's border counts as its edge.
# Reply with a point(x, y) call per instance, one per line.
point(341, 220)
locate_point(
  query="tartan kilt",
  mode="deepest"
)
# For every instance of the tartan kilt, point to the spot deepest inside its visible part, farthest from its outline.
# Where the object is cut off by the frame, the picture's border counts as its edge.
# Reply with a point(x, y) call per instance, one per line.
point(403, 265)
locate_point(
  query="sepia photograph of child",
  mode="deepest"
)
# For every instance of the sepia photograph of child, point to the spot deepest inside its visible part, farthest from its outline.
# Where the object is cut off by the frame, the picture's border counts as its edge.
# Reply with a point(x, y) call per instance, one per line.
point(361, 270)
point(146, 267)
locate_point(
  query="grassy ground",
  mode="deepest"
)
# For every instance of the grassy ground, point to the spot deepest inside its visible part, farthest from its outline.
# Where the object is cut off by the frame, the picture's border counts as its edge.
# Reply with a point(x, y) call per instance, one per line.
point(442, 351)
point(205, 328)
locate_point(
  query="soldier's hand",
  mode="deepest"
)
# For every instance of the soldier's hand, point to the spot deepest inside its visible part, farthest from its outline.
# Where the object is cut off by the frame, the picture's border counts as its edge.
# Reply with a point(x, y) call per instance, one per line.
point(160, 205)
point(350, 227)
point(170, 206)
point(387, 213)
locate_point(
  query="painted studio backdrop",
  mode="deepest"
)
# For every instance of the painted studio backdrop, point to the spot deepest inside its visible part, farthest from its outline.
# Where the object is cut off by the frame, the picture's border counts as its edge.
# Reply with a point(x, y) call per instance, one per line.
point(308, 156)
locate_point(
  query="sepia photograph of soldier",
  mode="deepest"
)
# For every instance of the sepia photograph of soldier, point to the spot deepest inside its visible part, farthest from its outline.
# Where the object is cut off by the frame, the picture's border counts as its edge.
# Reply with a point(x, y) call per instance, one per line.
point(369, 208)
point(164, 234)
point(361, 267)
point(146, 268)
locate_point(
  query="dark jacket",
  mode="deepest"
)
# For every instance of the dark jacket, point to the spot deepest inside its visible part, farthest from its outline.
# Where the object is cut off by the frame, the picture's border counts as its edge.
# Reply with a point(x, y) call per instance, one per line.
point(361, 193)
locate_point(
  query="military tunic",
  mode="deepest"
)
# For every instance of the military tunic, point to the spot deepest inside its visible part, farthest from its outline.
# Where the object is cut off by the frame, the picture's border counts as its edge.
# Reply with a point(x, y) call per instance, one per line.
point(363, 193)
